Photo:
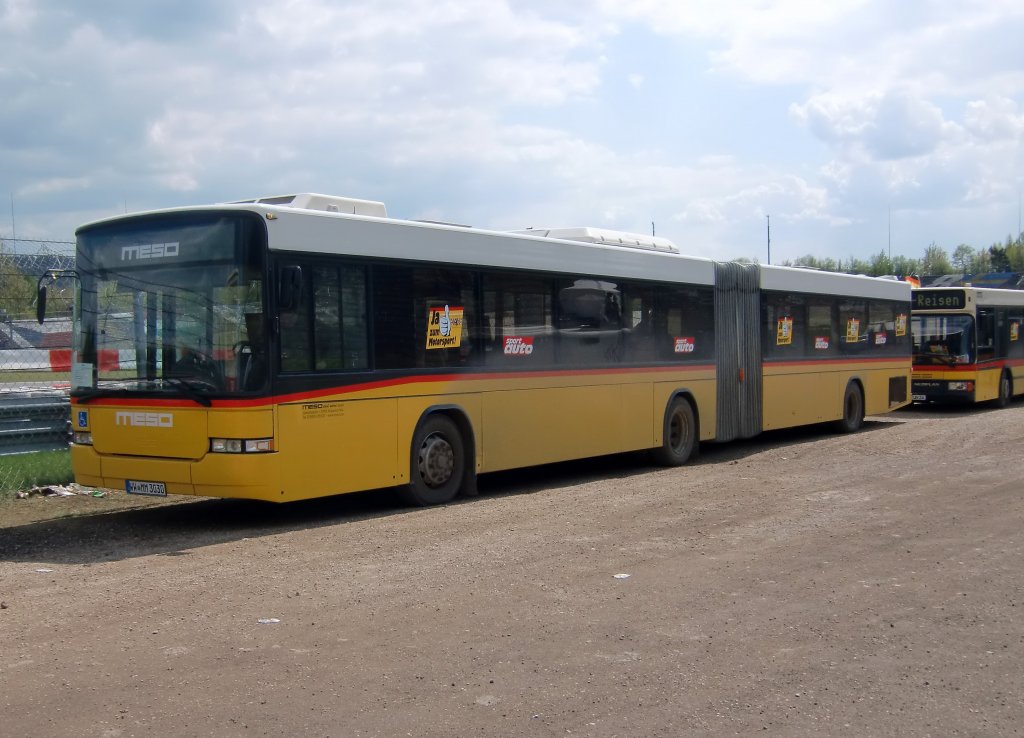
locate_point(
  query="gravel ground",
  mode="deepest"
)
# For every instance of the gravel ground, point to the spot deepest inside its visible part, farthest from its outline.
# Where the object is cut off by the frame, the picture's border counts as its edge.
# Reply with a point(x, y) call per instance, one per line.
point(802, 583)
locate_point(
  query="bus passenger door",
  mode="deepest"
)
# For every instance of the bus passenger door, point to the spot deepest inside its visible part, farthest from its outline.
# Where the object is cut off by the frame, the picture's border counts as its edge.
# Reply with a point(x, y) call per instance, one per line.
point(738, 350)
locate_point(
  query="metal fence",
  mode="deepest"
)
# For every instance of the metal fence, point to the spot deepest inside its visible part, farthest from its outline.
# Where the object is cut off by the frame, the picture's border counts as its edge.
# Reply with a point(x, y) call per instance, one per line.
point(35, 360)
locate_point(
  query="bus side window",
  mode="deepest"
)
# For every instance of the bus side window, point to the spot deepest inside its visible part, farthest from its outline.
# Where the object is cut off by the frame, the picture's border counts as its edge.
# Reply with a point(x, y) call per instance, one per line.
point(444, 317)
point(1011, 333)
point(822, 339)
point(518, 320)
point(684, 321)
point(339, 324)
point(785, 325)
point(639, 324)
point(853, 327)
point(590, 322)
point(394, 334)
point(986, 334)
point(295, 333)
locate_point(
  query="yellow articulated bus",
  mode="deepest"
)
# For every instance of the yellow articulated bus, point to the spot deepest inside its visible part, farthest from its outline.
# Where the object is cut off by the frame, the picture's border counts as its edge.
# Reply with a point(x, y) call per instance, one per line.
point(967, 345)
point(306, 345)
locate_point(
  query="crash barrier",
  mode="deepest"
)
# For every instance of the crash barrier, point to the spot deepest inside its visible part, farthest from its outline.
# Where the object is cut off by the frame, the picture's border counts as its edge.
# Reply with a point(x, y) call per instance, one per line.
point(33, 422)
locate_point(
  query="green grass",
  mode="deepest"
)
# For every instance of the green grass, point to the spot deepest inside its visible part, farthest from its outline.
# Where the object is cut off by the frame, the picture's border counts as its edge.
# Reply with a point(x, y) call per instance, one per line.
point(21, 471)
point(18, 376)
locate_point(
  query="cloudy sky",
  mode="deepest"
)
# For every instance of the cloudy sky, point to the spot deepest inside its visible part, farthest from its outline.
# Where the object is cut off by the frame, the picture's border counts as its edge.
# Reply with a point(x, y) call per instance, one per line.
point(855, 126)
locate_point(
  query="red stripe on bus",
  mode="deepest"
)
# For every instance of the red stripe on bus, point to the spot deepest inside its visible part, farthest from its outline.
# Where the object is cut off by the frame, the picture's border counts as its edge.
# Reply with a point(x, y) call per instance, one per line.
point(463, 377)
point(979, 367)
point(396, 382)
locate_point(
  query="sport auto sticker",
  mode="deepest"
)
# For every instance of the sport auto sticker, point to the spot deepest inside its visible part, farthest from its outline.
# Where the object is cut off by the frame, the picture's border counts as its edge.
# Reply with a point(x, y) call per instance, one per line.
point(784, 333)
point(684, 345)
point(444, 327)
point(518, 345)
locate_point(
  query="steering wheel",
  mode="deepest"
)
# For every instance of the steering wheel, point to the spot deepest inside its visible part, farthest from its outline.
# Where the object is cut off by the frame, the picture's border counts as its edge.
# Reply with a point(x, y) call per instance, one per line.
point(199, 365)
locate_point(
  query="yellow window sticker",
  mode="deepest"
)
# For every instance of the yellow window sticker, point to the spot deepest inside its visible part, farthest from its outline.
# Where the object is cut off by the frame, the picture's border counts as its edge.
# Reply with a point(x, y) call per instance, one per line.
point(1014, 331)
point(444, 327)
point(784, 332)
point(853, 330)
point(901, 324)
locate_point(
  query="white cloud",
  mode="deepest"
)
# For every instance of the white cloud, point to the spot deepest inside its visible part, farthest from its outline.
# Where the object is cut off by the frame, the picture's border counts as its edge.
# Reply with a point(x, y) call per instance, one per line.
point(524, 113)
point(997, 119)
point(894, 125)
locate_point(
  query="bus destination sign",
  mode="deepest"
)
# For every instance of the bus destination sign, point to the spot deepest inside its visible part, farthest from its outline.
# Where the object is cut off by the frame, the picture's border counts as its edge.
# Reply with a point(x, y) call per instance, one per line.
point(940, 299)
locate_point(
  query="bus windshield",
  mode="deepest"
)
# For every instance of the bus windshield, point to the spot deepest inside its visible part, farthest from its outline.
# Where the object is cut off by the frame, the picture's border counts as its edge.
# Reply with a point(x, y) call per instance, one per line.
point(171, 305)
point(943, 339)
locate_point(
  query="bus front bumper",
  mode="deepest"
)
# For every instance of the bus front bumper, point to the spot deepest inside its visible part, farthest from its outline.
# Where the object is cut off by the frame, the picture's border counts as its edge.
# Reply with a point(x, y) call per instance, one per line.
point(942, 390)
point(242, 476)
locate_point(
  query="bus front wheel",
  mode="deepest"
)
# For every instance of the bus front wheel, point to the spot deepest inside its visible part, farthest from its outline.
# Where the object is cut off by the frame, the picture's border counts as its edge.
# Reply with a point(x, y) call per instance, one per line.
point(679, 436)
point(853, 410)
point(437, 463)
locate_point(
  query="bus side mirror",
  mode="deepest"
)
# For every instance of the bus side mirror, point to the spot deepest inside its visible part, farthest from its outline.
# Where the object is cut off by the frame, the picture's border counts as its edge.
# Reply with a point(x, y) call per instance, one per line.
point(49, 278)
point(289, 290)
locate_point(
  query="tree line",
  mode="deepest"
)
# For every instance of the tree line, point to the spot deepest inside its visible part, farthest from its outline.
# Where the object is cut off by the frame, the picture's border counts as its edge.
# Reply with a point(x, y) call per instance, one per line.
point(965, 259)
point(17, 290)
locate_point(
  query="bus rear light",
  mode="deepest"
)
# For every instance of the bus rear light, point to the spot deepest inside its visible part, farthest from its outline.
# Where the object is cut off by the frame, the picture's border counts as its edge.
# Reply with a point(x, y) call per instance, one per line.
point(241, 445)
point(82, 438)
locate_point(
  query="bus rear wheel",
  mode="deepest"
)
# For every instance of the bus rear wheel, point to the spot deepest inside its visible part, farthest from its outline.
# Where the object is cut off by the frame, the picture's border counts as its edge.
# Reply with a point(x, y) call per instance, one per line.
point(853, 410)
point(1005, 390)
point(679, 436)
point(437, 463)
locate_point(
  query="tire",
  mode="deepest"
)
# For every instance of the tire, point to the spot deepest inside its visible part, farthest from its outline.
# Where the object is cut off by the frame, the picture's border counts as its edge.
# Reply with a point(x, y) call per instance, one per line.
point(679, 434)
point(437, 462)
point(853, 410)
point(1005, 390)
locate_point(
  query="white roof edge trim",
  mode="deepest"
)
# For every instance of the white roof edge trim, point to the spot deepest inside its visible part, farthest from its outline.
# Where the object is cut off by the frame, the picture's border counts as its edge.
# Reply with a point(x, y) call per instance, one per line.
point(410, 240)
point(605, 236)
point(994, 296)
point(792, 279)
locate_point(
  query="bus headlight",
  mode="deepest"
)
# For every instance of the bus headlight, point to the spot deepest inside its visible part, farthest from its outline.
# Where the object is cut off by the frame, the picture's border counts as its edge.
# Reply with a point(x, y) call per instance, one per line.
point(82, 438)
point(241, 445)
point(259, 445)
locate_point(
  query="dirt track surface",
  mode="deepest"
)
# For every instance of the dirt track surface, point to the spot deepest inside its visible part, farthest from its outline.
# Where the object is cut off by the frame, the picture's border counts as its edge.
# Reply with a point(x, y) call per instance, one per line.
point(803, 583)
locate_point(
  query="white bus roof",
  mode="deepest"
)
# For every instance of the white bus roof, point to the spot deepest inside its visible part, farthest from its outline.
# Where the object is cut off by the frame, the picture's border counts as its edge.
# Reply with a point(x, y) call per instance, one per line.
point(308, 222)
point(983, 295)
point(535, 250)
point(588, 234)
point(796, 279)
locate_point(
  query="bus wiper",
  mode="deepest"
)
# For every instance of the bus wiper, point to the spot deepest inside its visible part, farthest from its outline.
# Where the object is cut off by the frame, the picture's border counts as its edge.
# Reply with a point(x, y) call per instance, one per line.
point(191, 389)
point(112, 389)
point(928, 358)
point(84, 396)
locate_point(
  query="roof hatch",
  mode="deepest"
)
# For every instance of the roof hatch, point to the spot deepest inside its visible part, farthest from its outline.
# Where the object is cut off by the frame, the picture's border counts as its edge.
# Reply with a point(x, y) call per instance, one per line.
point(326, 203)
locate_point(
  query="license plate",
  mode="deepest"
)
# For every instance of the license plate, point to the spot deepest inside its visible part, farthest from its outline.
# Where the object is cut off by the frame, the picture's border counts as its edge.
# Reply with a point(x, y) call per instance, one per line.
point(918, 398)
point(153, 489)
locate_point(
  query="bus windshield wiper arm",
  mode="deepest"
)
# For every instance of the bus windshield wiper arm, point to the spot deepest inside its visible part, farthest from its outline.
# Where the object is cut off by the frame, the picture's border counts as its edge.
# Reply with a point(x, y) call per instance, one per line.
point(190, 389)
point(934, 359)
point(84, 396)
